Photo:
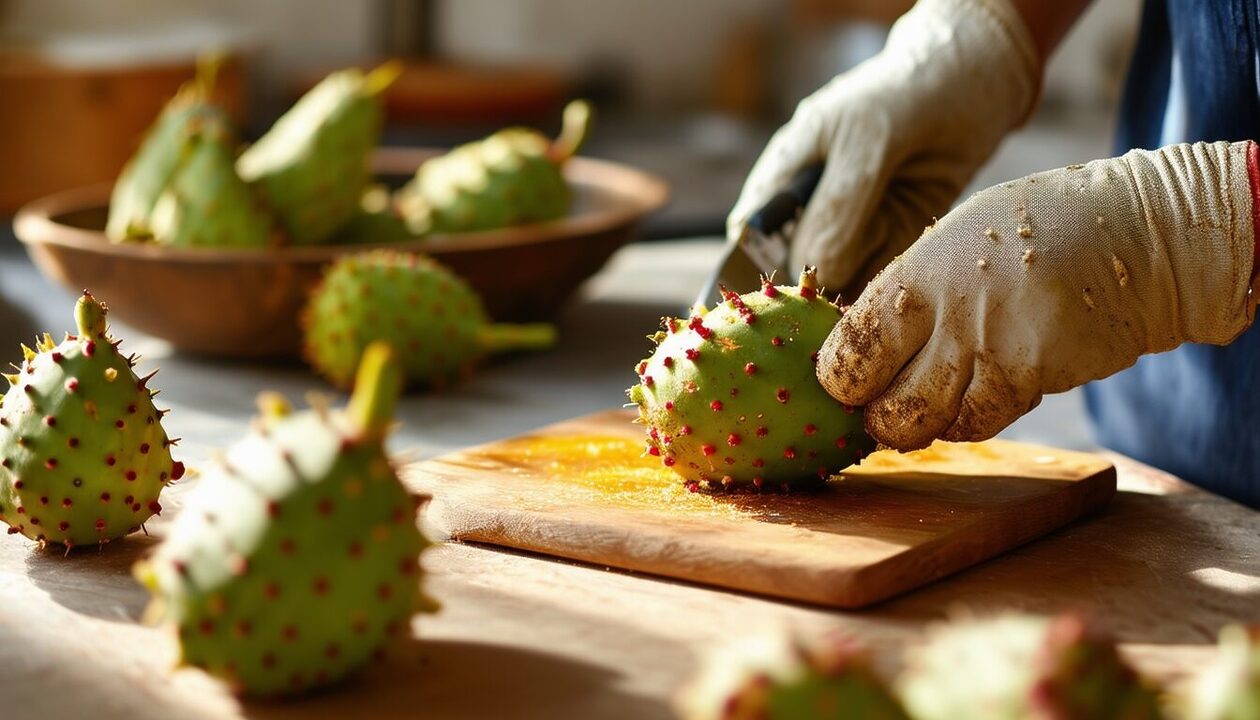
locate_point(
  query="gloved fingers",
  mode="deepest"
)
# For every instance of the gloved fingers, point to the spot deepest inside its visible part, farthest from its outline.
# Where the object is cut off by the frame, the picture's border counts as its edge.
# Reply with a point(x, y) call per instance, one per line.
point(924, 399)
point(874, 340)
point(792, 147)
point(835, 232)
point(995, 398)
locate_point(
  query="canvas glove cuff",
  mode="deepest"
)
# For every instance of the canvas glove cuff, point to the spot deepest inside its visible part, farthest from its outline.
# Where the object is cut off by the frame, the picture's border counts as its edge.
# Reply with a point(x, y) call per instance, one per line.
point(1045, 283)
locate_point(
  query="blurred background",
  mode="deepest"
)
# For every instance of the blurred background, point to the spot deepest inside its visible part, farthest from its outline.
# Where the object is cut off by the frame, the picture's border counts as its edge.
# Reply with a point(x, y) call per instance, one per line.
point(689, 90)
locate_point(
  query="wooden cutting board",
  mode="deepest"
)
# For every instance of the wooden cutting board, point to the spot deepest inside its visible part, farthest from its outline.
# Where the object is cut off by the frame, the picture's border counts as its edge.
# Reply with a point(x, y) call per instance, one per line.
point(583, 490)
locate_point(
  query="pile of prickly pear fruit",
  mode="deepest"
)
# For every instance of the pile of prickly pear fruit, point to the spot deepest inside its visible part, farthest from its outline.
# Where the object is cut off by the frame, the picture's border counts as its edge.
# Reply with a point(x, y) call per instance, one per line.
point(1015, 667)
point(181, 188)
point(512, 177)
point(777, 677)
point(83, 456)
point(432, 317)
point(730, 399)
point(1007, 667)
point(307, 181)
point(301, 183)
point(298, 557)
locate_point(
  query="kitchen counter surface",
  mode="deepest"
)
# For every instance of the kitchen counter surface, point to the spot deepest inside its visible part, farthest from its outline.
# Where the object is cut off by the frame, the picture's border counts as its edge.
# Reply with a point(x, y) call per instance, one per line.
point(526, 636)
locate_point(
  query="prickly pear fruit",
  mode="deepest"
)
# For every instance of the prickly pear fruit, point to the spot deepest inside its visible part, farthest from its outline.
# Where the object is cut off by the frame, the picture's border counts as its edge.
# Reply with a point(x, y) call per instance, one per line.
point(431, 316)
point(205, 203)
point(83, 455)
point(730, 399)
point(781, 678)
point(297, 558)
point(1023, 668)
point(374, 223)
point(512, 177)
point(312, 165)
point(1228, 688)
point(147, 175)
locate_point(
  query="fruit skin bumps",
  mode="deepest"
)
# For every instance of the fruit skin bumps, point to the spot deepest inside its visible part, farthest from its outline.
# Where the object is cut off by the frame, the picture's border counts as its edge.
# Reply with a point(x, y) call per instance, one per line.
point(298, 556)
point(83, 456)
point(312, 165)
point(778, 677)
point(730, 399)
point(510, 178)
point(430, 316)
point(1017, 667)
point(181, 187)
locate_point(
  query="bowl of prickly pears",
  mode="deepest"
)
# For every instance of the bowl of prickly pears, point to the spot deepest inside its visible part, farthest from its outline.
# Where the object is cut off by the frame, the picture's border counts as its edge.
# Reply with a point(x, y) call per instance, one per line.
point(245, 301)
point(215, 246)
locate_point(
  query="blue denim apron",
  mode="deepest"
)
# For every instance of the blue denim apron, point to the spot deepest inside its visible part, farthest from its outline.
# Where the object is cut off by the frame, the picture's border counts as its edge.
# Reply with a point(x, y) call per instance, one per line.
point(1195, 411)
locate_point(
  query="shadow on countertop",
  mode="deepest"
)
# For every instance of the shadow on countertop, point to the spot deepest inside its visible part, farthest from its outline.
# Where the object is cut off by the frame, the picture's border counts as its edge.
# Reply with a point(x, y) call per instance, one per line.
point(93, 581)
point(1150, 569)
point(439, 678)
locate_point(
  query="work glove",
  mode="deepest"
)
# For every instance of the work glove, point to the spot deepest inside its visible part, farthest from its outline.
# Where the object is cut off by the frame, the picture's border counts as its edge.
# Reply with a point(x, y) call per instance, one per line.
point(1042, 284)
point(901, 135)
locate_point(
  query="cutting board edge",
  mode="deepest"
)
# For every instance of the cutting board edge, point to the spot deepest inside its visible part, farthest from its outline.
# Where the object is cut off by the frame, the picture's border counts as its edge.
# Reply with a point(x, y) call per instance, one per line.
point(466, 520)
point(487, 527)
point(1089, 496)
point(833, 586)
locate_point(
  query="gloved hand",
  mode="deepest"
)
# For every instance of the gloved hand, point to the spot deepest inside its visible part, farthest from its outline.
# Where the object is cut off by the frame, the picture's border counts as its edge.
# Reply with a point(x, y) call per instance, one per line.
point(1042, 284)
point(901, 134)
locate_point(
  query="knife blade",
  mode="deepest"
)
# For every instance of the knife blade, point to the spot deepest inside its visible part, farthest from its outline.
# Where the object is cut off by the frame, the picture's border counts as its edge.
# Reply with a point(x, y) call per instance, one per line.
point(761, 248)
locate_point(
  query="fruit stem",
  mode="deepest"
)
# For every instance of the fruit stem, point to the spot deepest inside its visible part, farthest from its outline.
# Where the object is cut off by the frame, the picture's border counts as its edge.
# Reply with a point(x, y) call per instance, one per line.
point(573, 131)
point(506, 337)
point(209, 63)
point(376, 388)
point(382, 77)
point(809, 278)
point(89, 316)
point(273, 406)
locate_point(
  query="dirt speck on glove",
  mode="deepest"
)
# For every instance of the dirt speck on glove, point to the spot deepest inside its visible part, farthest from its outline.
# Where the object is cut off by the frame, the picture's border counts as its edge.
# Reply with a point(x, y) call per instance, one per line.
point(1122, 272)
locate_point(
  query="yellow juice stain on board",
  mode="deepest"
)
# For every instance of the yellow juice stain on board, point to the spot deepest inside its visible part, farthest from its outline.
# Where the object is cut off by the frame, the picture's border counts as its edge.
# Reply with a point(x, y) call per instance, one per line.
point(614, 468)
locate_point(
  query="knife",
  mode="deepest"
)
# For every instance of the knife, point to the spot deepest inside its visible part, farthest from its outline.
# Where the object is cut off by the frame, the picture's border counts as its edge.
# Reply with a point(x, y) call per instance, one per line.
point(761, 248)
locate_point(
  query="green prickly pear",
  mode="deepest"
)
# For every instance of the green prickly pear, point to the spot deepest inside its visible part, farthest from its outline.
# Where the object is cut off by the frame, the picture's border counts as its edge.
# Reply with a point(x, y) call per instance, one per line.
point(147, 175)
point(312, 166)
point(782, 678)
point(83, 456)
point(205, 203)
point(375, 222)
point(431, 316)
point(730, 399)
point(509, 178)
point(1019, 667)
point(297, 558)
point(1228, 687)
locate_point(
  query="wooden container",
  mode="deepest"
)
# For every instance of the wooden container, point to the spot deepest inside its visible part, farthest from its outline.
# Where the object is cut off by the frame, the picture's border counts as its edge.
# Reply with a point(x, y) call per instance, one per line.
point(66, 127)
point(245, 303)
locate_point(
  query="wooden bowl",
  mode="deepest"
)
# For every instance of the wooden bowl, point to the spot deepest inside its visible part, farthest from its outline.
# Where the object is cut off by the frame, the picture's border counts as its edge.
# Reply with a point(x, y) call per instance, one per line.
point(245, 303)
